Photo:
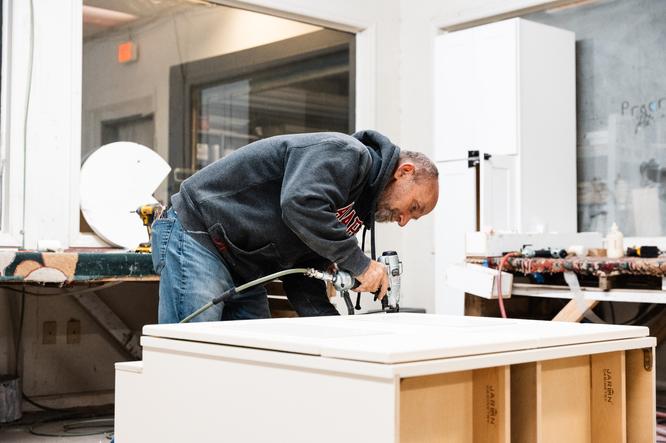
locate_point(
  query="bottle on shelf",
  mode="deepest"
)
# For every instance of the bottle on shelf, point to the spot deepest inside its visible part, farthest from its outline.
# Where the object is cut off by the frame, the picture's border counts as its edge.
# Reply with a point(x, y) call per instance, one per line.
point(614, 242)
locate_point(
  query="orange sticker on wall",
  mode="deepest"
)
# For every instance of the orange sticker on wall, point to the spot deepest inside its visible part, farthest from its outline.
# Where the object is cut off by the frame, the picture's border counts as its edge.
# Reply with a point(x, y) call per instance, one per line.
point(127, 52)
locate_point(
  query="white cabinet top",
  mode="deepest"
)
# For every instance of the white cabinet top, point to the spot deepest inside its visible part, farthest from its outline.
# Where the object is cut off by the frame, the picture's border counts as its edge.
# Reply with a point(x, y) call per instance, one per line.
point(394, 338)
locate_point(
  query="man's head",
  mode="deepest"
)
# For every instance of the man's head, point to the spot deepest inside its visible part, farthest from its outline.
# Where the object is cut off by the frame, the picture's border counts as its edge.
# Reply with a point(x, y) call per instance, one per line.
point(412, 191)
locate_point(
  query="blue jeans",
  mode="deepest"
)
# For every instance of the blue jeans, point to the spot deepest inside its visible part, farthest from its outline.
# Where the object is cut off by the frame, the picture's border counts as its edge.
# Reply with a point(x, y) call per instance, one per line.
point(191, 276)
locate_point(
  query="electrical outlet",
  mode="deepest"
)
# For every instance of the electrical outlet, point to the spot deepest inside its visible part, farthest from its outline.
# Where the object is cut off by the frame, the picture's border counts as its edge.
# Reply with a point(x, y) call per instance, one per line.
point(49, 331)
point(73, 331)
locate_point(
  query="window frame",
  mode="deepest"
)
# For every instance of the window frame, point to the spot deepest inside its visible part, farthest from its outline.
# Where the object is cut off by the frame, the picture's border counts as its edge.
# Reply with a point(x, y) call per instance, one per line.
point(14, 93)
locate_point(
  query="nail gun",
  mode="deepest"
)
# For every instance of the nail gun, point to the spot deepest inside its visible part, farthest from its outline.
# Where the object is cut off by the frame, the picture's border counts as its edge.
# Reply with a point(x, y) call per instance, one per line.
point(343, 282)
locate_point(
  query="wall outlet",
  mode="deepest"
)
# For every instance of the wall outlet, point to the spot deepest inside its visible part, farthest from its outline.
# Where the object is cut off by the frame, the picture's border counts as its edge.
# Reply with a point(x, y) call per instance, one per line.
point(73, 332)
point(49, 331)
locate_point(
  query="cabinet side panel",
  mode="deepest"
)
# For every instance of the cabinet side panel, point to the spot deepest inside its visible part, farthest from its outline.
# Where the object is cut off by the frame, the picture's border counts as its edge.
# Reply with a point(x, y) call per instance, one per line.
point(214, 397)
point(129, 404)
point(524, 401)
point(641, 398)
point(608, 397)
point(436, 408)
point(565, 400)
point(547, 79)
point(492, 407)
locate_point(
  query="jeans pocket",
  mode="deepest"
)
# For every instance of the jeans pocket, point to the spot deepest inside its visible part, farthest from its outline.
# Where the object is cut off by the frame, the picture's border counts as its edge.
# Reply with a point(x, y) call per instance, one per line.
point(248, 264)
point(161, 232)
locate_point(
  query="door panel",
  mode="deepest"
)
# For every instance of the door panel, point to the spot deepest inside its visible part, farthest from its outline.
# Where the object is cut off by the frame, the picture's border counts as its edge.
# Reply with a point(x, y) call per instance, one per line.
point(498, 196)
point(455, 125)
point(455, 215)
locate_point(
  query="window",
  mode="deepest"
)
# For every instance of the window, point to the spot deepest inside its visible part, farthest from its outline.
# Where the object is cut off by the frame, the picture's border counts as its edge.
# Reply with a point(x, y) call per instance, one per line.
point(296, 85)
point(621, 112)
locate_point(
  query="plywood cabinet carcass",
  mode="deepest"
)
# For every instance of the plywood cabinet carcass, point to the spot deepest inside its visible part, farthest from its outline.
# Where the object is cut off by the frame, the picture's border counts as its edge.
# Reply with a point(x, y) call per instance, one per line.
point(388, 378)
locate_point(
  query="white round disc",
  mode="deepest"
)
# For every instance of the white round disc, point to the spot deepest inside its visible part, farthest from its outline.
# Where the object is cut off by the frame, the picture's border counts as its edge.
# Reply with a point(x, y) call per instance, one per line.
point(115, 180)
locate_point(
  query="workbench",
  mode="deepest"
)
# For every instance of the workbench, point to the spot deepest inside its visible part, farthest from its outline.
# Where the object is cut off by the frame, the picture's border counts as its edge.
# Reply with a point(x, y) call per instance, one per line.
point(598, 266)
point(65, 273)
point(73, 267)
point(388, 378)
point(607, 271)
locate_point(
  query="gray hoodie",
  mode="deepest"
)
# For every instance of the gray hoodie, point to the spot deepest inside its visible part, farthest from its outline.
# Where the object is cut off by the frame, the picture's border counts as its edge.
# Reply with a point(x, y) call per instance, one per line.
point(289, 199)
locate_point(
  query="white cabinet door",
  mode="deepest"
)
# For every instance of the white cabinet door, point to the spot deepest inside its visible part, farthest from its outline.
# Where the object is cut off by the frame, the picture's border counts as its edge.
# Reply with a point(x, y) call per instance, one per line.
point(476, 91)
point(455, 91)
point(455, 215)
point(497, 87)
point(498, 205)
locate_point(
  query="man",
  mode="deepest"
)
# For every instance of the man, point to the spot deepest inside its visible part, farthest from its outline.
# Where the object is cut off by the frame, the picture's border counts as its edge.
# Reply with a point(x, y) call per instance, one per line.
point(279, 203)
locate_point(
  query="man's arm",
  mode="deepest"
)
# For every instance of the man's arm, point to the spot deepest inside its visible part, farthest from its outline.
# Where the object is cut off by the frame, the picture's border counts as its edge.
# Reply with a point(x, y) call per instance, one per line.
point(317, 181)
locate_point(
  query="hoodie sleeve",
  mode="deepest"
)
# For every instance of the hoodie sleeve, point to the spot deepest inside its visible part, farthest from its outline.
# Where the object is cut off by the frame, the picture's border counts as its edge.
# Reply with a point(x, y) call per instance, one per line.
point(318, 180)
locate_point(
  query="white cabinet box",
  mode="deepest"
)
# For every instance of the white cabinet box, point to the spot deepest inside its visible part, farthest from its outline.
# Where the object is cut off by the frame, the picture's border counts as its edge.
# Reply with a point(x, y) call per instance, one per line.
point(388, 378)
point(507, 91)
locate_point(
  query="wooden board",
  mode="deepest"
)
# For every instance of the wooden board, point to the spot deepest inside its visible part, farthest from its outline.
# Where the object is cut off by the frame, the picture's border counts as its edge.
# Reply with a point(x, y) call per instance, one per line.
point(437, 408)
point(641, 402)
point(608, 397)
point(565, 401)
point(525, 402)
point(572, 311)
point(492, 405)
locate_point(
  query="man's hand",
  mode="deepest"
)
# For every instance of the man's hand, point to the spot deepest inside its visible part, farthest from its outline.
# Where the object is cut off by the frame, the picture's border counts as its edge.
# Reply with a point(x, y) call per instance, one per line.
point(374, 278)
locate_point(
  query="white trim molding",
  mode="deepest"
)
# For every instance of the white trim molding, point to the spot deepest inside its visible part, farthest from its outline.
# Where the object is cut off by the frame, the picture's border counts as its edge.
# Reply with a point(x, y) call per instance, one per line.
point(53, 124)
point(16, 67)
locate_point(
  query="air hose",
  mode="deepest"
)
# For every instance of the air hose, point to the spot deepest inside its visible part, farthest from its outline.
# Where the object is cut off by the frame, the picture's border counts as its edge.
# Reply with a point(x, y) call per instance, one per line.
point(227, 295)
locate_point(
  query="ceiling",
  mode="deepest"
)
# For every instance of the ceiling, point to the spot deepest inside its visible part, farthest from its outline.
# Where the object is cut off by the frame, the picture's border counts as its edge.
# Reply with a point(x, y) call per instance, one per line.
point(102, 16)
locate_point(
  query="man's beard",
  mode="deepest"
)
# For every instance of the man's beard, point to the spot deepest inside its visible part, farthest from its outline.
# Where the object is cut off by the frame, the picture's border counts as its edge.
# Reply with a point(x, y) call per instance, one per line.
point(384, 213)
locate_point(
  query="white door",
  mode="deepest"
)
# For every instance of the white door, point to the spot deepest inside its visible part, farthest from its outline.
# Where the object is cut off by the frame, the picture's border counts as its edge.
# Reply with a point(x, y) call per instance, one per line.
point(497, 87)
point(476, 91)
point(455, 215)
point(455, 97)
point(498, 205)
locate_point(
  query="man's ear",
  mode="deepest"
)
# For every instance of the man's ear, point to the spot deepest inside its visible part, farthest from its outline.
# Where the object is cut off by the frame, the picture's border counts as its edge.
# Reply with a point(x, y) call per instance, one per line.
point(404, 169)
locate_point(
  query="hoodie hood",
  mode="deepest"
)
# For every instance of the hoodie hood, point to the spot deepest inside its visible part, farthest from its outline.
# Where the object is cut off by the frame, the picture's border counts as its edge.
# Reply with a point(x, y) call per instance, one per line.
point(384, 161)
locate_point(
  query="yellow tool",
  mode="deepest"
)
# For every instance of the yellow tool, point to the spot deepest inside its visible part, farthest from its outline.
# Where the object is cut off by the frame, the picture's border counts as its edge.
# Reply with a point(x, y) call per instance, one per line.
point(148, 214)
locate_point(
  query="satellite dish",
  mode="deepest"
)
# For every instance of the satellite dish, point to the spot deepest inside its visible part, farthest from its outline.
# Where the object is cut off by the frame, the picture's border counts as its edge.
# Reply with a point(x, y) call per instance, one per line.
point(115, 180)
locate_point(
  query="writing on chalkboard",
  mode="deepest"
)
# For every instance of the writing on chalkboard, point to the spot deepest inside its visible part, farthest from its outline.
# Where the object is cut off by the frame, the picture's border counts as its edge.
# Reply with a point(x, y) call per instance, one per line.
point(651, 106)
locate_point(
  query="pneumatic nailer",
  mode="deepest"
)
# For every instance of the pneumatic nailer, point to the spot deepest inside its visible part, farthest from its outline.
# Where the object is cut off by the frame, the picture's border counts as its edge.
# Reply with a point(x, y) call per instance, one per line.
point(343, 282)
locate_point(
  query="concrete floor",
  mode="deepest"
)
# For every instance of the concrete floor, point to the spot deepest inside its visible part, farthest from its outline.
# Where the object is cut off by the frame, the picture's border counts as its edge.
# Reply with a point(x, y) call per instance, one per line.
point(52, 422)
point(21, 435)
